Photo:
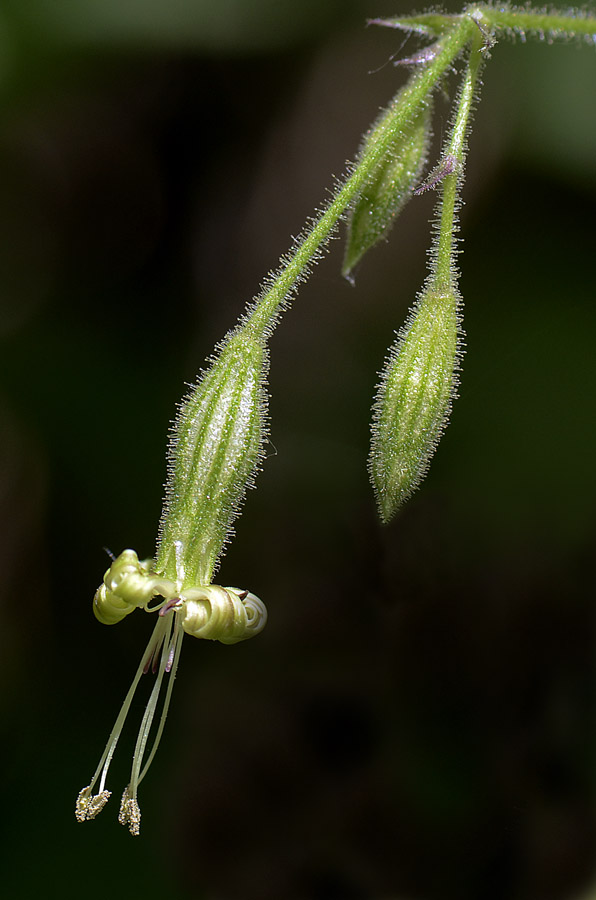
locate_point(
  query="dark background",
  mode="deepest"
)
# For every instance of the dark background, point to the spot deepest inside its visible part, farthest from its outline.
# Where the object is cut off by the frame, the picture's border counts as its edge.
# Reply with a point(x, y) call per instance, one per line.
point(417, 721)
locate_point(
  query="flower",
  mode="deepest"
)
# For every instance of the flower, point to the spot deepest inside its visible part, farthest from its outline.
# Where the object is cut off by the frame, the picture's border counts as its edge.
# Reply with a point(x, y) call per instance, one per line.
point(228, 615)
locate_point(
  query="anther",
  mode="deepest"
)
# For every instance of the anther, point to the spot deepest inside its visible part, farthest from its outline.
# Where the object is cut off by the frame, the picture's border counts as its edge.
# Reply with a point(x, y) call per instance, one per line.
point(130, 812)
point(87, 807)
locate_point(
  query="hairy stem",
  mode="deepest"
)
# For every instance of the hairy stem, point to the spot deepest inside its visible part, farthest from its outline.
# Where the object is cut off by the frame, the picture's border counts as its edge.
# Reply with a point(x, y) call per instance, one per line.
point(455, 153)
point(546, 25)
point(293, 269)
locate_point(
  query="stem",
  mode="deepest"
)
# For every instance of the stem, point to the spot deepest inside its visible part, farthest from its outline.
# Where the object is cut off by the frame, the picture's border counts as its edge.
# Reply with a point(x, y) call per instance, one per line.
point(294, 267)
point(456, 153)
point(521, 20)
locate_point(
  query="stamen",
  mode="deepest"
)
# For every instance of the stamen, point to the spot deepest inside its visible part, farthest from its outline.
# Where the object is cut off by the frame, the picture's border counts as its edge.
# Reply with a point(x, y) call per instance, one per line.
point(176, 647)
point(239, 614)
point(87, 806)
point(130, 813)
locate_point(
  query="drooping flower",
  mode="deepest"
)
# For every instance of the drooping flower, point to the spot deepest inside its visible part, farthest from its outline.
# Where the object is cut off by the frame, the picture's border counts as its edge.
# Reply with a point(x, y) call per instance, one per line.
point(215, 449)
point(228, 615)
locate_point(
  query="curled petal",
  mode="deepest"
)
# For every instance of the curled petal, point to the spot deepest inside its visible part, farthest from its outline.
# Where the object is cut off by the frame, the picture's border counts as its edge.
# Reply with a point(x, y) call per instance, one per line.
point(128, 583)
point(222, 614)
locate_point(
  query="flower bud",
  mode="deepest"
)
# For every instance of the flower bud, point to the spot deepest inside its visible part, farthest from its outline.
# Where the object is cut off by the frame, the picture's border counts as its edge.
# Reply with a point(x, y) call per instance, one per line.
point(215, 449)
point(414, 398)
point(388, 189)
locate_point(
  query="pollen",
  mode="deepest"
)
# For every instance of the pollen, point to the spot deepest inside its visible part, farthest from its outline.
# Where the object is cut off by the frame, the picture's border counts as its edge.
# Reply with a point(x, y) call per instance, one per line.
point(87, 807)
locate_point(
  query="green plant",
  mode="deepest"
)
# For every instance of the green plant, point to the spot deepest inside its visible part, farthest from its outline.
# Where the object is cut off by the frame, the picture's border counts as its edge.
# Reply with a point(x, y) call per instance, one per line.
point(217, 443)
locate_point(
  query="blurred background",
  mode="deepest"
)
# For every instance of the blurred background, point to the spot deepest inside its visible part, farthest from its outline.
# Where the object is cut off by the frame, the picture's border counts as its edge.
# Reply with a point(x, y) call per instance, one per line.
point(417, 721)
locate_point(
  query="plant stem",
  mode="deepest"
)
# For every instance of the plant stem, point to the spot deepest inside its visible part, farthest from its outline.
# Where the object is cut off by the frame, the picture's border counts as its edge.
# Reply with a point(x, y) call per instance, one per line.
point(455, 153)
point(521, 20)
point(412, 98)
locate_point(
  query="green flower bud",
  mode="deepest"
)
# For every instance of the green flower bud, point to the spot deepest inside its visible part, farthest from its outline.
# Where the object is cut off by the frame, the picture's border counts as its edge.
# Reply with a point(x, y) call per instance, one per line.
point(215, 450)
point(414, 398)
point(389, 188)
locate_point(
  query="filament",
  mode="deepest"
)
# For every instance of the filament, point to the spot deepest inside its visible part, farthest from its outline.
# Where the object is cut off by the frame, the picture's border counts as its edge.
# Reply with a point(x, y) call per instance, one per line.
point(176, 647)
point(108, 753)
point(166, 624)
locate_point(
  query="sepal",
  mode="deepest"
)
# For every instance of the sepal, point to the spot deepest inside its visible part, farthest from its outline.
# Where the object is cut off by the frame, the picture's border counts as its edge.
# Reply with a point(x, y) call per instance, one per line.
point(215, 450)
point(429, 24)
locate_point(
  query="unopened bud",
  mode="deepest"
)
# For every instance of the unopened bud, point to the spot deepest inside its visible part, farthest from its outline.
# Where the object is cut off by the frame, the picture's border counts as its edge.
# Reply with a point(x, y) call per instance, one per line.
point(414, 398)
point(389, 187)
